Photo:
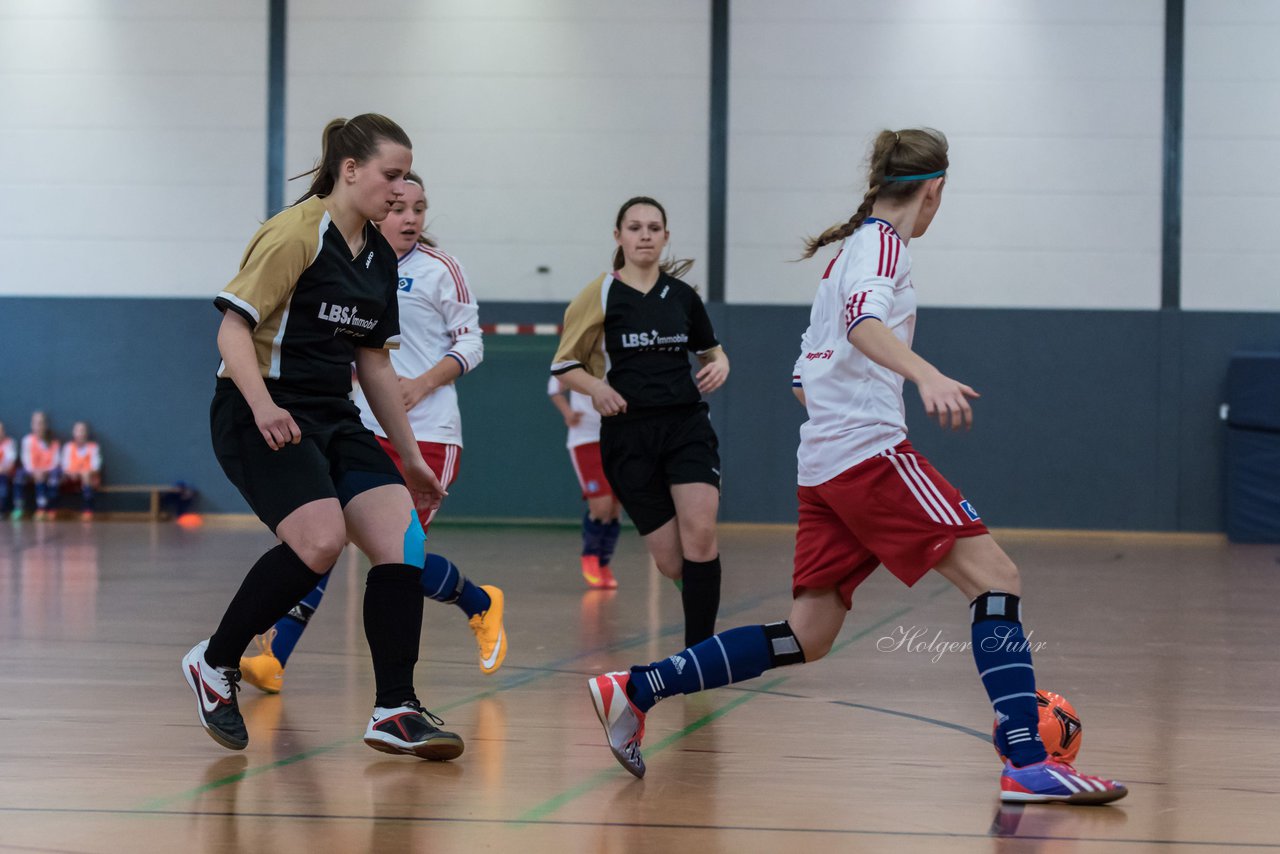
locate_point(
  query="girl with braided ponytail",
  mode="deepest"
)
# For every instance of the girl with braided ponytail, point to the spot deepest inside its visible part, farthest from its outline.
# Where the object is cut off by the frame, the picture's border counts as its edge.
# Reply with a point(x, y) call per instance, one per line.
point(867, 498)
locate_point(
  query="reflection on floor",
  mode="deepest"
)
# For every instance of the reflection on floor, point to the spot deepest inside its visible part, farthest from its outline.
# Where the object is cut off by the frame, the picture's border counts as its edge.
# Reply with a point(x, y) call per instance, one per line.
point(1164, 644)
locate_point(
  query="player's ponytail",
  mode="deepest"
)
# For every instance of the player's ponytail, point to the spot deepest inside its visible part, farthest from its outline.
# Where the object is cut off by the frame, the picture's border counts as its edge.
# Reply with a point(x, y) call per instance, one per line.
point(899, 162)
point(674, 267)
point(356, 138)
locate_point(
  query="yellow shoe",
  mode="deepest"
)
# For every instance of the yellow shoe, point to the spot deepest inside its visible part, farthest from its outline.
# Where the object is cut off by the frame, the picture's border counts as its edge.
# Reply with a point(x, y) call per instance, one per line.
point(490, 635)
point(263, 671)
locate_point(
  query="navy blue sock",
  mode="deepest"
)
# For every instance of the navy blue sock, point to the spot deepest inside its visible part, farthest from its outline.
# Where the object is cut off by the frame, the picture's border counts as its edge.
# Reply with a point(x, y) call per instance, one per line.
point(86, 497)
point(443, 582)
point(733, 656)
point(42, 496)
point(290, 627)
point(1003, 656)
point(592, 531)
point(608, 540)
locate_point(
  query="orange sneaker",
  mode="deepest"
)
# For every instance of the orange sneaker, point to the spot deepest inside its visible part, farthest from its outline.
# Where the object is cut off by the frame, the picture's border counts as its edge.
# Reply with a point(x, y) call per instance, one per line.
point(607, 581)
point(591, 571)
point(491, 637)
point(263, 671)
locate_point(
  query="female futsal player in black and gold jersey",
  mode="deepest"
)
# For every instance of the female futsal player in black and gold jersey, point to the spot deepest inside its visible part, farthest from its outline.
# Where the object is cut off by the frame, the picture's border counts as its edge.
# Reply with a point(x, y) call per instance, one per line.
point(316, 291)
point(626, 342)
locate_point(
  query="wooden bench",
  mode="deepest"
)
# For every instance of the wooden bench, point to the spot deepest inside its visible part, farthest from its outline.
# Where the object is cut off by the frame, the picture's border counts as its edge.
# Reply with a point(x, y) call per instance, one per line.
point(154, 490)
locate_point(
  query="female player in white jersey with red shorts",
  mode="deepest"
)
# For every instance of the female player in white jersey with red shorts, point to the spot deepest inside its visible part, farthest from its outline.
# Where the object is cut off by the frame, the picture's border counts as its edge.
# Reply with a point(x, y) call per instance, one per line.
point(440, 341)
point(601, 523)
point(867, 498)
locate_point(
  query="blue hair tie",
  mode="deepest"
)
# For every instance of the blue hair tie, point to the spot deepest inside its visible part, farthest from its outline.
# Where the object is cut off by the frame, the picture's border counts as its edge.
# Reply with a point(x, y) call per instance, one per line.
point(896, 179)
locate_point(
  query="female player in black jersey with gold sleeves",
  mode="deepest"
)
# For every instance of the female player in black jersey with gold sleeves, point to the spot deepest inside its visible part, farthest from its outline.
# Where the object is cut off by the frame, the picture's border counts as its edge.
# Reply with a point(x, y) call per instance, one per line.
point(316, 291)
point(626, 342)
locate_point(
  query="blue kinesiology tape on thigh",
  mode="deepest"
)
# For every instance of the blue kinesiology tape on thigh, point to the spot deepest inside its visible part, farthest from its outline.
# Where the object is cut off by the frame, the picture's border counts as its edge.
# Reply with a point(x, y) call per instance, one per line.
point(415, 542)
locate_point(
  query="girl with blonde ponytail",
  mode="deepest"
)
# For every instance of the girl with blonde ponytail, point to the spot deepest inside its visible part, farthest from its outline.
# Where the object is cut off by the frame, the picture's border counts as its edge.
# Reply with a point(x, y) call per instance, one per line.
point(868, 499)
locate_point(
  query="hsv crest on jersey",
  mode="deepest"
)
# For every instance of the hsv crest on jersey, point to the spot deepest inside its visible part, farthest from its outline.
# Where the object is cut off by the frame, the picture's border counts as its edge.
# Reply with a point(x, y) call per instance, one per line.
point(405, 284)
point(969, 511)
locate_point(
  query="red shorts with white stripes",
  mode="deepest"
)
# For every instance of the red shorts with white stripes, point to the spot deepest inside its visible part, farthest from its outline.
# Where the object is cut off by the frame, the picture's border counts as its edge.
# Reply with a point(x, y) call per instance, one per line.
point(441, 459)
point(893, 509)
point(590, 470)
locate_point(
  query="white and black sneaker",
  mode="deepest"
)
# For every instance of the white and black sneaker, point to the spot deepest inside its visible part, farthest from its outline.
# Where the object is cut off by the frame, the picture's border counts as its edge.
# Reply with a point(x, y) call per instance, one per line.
point(411, 729)
point(215, 689)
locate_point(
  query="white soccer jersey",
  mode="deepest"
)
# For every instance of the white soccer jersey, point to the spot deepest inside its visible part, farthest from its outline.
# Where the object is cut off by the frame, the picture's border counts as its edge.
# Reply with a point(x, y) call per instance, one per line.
point(439, 318)
point(855, 406)
point(8, 455)
point(587, 430)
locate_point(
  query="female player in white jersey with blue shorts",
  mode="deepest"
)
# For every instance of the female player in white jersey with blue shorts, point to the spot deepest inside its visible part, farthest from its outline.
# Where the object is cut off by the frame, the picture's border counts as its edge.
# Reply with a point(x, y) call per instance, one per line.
point(440, 341)
point(867, 498)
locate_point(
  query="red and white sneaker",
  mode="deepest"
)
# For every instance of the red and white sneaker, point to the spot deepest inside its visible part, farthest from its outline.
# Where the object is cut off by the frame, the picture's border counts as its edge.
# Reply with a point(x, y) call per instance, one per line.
point(413, 730)
point(1056, 782)
point(623, 723)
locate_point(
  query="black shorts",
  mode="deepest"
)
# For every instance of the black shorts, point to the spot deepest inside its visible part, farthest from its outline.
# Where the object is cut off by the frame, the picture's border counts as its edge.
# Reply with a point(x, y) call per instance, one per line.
point(338, 456)
point(645, 454)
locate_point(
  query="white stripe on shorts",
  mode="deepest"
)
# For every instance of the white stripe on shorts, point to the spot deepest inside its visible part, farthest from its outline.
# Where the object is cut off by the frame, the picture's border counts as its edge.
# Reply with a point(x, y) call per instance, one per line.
point(929, 486)
point(573, 458)
point(906, 478)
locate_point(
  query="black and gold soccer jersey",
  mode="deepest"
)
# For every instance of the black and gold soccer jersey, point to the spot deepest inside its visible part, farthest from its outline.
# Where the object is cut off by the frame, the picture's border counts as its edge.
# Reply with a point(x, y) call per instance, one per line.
point(310, 303)
point(638, 342)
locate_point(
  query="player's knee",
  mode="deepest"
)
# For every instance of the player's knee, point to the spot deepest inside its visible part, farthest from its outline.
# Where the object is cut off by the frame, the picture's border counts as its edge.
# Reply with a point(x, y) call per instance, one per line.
point(698, 541)
point(669, 565)
point(815, 639)
point(321, 548)
point(602, 509)
point(981, 566)
point(1004, 576)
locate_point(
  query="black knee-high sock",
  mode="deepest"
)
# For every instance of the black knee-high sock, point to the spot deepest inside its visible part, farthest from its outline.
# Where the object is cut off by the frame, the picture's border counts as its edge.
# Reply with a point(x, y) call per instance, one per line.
point(393, 627)
point(273, 586)
point(701, 599)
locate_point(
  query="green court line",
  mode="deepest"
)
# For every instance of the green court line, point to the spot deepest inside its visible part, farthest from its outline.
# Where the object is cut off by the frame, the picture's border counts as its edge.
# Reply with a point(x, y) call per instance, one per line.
point(525, 678)
point(158, 803)
point(550, 805)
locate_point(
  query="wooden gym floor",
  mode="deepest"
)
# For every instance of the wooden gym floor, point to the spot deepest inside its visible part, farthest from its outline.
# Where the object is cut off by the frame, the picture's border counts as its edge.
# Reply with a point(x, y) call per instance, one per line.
point(1166, 645)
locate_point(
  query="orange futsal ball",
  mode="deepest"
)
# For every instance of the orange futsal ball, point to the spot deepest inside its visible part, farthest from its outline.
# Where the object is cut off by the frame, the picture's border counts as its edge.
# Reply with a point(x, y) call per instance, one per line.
point(1060, 728)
